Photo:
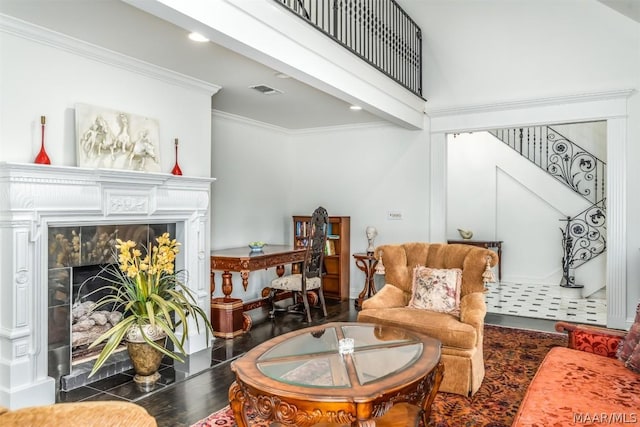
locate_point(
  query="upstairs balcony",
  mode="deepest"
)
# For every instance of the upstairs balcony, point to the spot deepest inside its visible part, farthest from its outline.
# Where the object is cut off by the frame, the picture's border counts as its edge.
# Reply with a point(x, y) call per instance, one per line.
point(378, 31)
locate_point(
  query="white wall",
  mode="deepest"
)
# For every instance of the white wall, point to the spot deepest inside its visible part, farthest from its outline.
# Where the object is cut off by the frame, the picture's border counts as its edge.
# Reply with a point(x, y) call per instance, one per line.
point(494, 51)
point(266, 175)
point(366, 172)
point(47, 74)
point(252, 164)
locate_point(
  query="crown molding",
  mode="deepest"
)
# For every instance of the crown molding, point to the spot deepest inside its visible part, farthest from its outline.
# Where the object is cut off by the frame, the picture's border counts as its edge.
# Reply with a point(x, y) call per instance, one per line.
point(38, 34)
point(345, 128)
point(529, 103)
point(247, 121)
point(339, 128)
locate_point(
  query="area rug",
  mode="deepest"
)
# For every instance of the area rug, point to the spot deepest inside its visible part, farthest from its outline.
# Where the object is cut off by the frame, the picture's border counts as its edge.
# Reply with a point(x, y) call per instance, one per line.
point(511, 356)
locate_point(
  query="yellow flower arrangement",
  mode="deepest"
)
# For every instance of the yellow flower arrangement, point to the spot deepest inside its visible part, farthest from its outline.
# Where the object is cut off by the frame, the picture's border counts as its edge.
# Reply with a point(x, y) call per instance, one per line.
point(147, 288)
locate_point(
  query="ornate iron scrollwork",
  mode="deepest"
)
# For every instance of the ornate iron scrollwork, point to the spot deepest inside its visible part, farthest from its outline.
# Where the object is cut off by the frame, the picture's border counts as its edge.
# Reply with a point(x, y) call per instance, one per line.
point(583, 238)
point(575, 167)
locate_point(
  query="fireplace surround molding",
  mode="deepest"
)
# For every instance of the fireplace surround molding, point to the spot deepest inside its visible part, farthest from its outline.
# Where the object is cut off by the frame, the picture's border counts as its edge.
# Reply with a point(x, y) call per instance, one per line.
point(34, 197)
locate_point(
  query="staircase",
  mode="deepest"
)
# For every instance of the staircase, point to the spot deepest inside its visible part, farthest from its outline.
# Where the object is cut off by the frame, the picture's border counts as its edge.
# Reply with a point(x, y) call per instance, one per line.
point(584, 234)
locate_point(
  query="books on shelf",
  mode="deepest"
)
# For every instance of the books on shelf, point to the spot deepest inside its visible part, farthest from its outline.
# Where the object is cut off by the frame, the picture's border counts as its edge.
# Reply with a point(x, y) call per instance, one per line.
point(301, 228)
point(333, 236)
point(330, 248)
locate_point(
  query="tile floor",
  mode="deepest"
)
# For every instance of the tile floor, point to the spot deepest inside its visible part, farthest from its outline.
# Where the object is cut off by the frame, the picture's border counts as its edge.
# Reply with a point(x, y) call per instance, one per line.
point(545, 302)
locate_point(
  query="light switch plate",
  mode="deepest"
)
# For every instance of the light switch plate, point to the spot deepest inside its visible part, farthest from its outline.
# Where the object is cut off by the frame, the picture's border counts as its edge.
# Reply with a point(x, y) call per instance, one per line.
point(394, 215)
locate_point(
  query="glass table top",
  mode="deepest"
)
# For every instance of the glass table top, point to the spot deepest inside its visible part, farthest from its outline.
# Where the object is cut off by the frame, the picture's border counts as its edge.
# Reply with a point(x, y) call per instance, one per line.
point(313, 359)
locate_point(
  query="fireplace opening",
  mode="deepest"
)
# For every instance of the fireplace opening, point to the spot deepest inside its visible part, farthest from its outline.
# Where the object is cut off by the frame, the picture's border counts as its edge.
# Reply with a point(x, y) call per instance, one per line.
point(88, 324)
point(77, 254)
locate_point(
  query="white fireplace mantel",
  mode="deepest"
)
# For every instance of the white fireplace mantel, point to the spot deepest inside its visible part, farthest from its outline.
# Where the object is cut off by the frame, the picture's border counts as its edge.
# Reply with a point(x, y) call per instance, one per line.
point(33, 197)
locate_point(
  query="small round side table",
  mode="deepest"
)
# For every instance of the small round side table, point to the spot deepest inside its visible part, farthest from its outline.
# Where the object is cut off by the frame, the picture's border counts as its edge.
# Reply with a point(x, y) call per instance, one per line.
point(366, 262)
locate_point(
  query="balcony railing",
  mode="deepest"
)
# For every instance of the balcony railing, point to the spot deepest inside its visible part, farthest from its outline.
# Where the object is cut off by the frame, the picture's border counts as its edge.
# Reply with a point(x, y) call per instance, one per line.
point(378, 31)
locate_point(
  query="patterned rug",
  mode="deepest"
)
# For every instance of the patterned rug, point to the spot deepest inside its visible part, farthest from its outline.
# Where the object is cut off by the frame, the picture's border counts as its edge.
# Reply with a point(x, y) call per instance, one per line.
point(511, 356)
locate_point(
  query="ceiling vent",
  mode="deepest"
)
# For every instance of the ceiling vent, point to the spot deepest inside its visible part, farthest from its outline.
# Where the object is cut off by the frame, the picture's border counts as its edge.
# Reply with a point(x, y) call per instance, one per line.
point(265, 90)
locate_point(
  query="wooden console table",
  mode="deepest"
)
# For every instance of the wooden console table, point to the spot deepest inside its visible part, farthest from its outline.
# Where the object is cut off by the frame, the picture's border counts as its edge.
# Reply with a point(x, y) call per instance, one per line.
point(366, 262)
point(487, 244)
point(226, 312)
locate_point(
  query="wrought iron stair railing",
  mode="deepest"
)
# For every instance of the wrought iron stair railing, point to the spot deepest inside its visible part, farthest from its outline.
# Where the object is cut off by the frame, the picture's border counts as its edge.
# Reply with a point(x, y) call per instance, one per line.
point(378, 31)
point(583, 238)
point(584, 234)
point(562, 158)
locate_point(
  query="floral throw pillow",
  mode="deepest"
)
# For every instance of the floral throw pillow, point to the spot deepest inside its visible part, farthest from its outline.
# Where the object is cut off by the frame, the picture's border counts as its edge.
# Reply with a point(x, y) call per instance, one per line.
point(631, 340)
point(436, 289)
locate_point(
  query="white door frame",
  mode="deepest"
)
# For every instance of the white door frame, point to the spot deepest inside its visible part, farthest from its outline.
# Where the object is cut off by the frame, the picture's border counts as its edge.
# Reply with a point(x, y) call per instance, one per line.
point(609, 106)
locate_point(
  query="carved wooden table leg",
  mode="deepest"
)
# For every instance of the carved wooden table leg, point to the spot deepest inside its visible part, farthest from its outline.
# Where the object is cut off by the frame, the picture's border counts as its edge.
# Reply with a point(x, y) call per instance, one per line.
point(434, 380)
point(237, 401)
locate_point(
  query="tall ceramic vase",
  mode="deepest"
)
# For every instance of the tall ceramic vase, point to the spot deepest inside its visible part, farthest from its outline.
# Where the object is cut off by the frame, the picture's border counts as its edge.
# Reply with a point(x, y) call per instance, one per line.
point(146, 360)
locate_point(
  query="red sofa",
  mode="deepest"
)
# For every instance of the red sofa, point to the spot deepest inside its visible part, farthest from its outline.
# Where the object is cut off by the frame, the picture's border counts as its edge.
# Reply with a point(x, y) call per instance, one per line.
point(582, 384)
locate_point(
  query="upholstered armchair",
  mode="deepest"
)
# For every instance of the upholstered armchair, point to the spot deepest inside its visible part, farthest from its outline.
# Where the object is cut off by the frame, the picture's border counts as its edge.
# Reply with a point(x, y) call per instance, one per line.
point(461, 334)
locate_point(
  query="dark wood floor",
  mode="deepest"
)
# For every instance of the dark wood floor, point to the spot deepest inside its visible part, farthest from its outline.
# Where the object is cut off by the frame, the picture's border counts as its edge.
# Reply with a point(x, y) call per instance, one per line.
point(182, 403)
point(186, 402)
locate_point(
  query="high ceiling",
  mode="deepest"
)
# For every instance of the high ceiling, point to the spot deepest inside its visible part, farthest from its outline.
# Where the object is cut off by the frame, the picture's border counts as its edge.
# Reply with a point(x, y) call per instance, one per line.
point(117, 26)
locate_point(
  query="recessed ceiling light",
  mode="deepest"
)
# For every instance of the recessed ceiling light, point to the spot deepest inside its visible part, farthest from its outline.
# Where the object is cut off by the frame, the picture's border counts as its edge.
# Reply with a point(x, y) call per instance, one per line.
point(355, 108)
point(283, 76)
point(197, 37)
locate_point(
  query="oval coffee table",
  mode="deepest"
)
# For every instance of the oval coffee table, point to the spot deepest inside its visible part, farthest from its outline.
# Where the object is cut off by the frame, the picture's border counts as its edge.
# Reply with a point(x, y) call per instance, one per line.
point(301, 379)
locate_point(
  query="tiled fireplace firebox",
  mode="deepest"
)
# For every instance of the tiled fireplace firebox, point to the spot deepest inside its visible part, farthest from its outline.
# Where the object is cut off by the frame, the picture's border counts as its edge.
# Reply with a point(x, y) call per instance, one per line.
point(76, 254)
point(35, 199)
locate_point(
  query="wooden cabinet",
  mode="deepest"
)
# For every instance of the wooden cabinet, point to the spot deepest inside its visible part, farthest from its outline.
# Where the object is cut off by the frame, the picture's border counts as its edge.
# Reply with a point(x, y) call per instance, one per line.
point(337, 253)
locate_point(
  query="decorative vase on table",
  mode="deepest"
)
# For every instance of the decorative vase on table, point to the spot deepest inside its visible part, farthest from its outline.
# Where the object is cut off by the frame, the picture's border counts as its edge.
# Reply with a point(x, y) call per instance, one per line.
point(146, 360)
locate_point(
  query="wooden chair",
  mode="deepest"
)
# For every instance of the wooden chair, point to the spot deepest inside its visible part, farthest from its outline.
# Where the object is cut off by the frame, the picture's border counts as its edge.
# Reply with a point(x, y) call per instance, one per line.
point(312, 268)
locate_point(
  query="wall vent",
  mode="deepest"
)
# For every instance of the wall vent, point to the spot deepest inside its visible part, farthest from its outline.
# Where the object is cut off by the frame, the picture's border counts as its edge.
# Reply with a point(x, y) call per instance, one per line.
point(265, 90)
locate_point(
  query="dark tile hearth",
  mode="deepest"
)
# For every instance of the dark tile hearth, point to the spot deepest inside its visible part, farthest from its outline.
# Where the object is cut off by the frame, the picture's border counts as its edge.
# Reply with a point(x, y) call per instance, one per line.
point(79, 376)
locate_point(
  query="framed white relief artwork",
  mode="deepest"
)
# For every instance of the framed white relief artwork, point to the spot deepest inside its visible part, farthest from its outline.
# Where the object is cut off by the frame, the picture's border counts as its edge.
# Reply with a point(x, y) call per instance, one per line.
point(116, 139)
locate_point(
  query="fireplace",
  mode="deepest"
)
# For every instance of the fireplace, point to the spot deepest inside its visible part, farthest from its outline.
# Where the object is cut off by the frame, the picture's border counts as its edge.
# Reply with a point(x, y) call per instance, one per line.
point(76, 255)
point(71, 214)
